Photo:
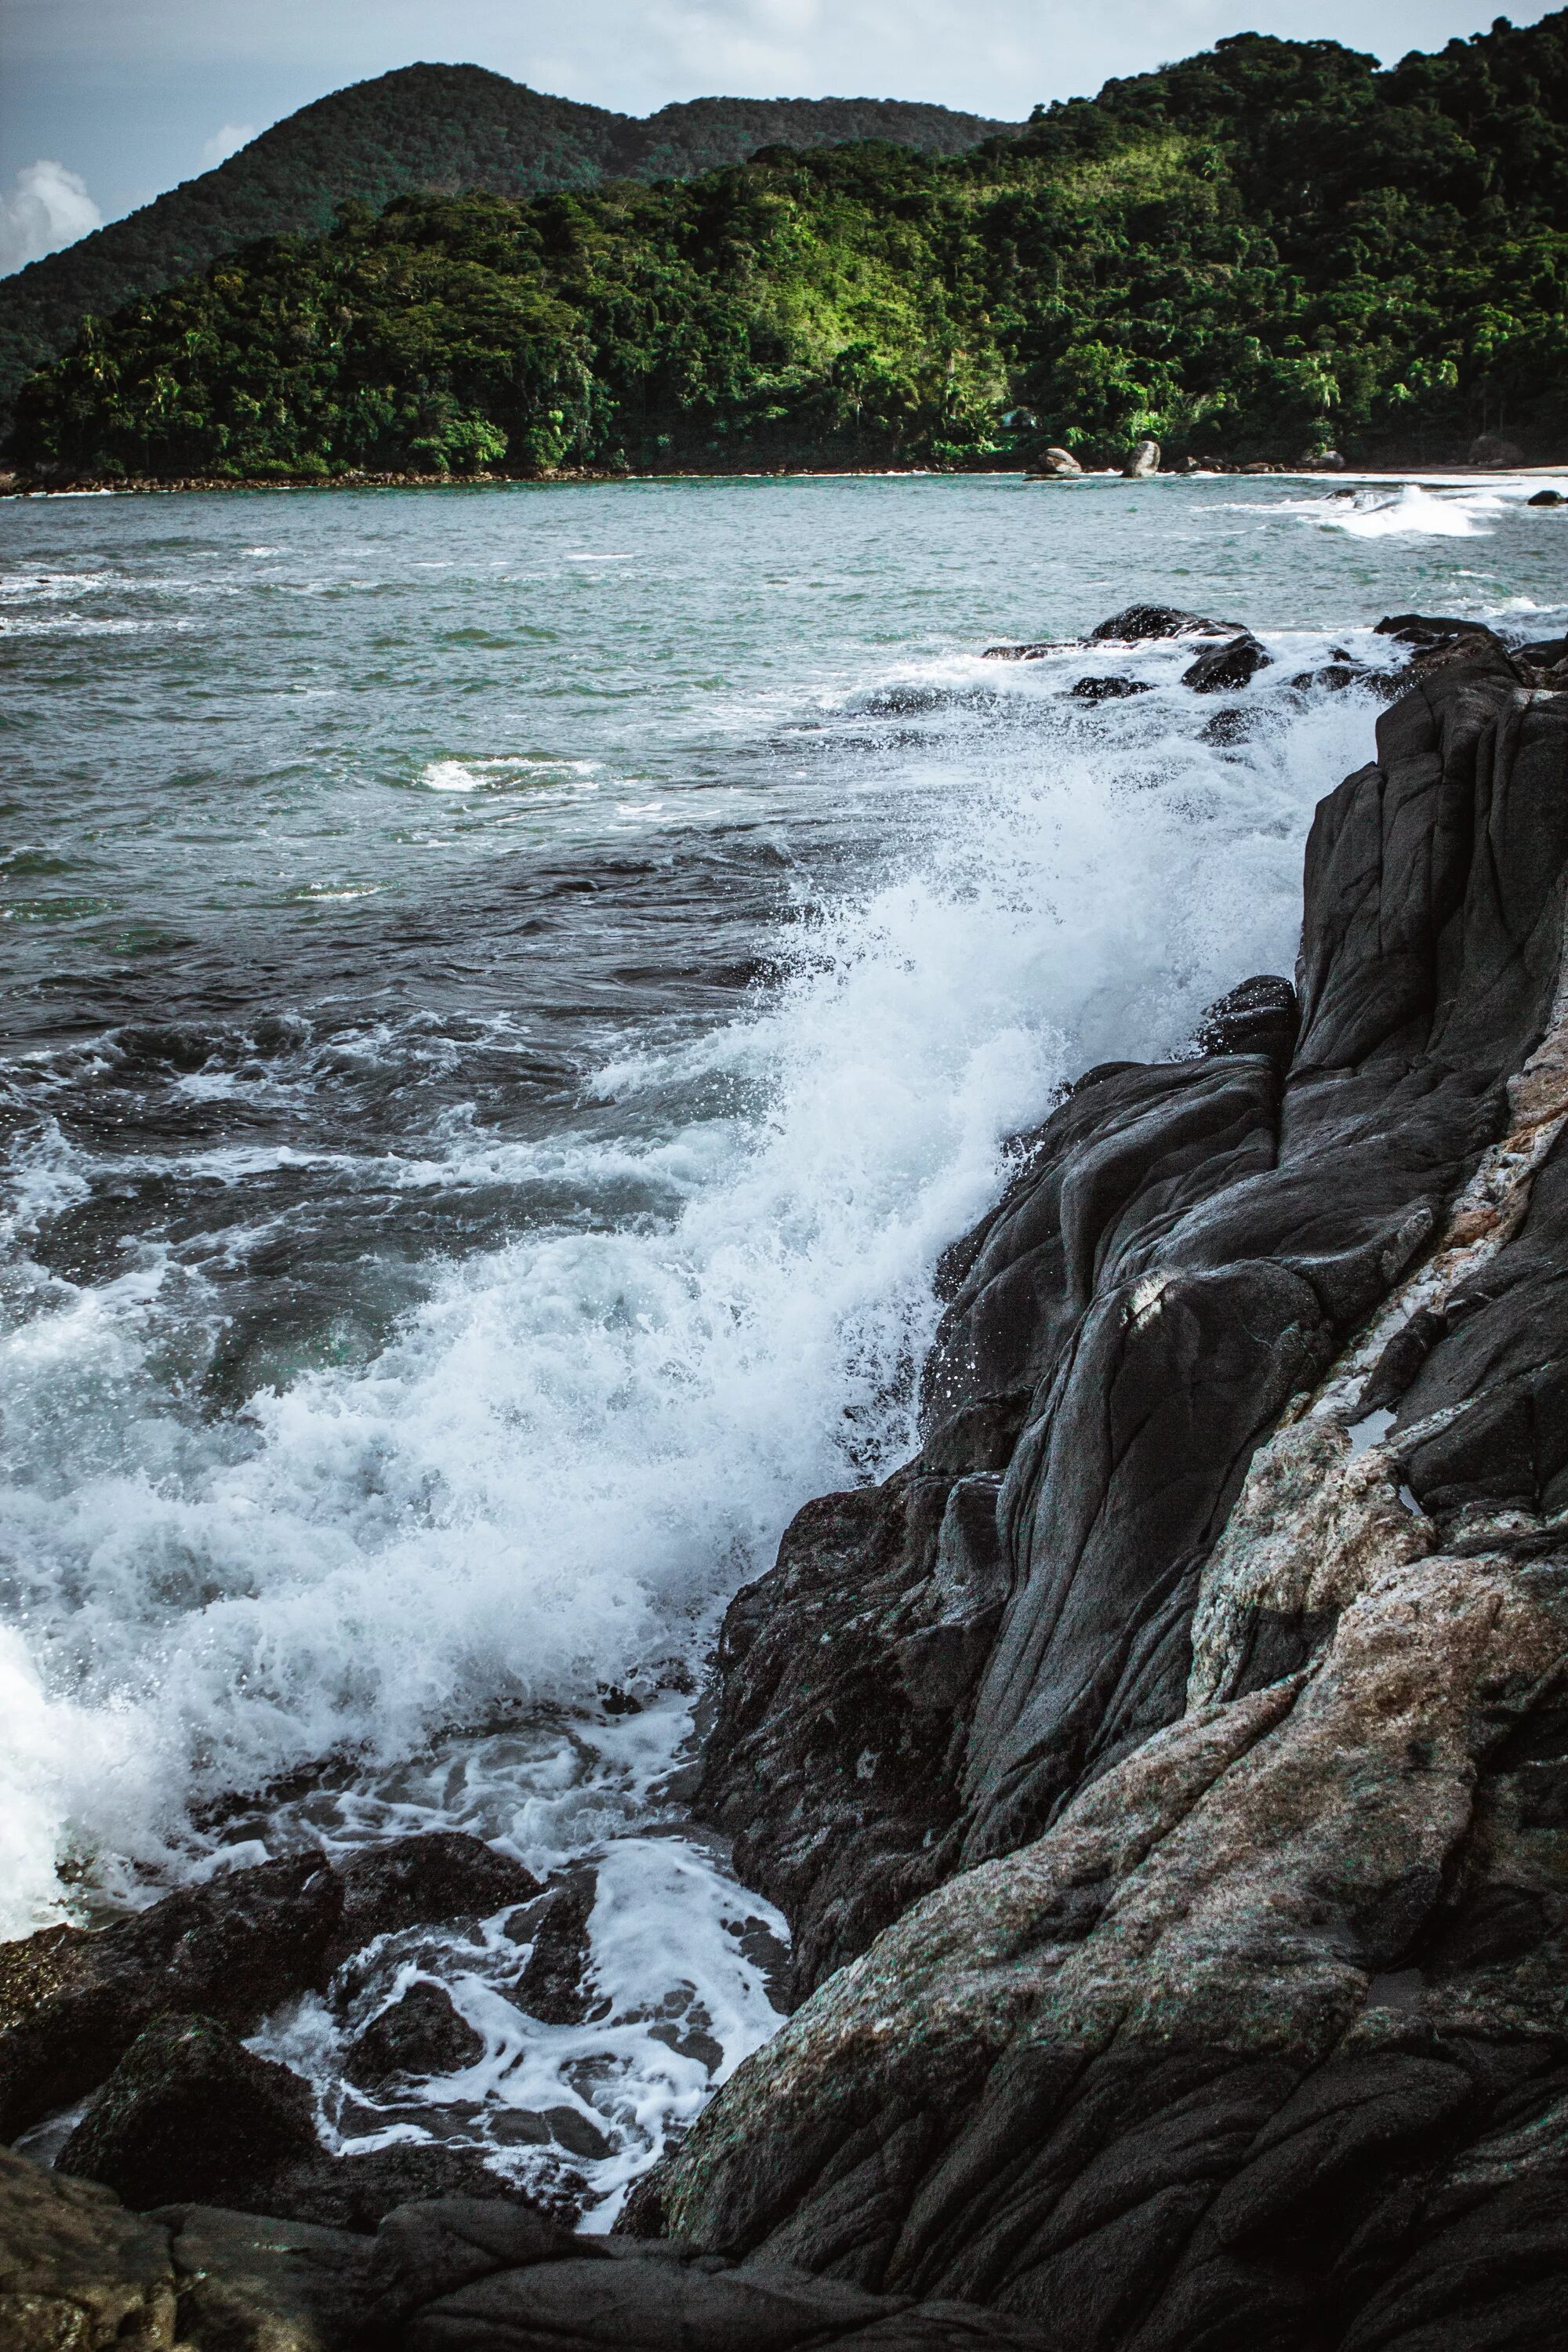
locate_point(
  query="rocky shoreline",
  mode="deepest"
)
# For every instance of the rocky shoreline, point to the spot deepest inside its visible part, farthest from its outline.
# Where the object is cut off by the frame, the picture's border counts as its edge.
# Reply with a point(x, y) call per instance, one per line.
point(25, 485)
point(1165, 1773)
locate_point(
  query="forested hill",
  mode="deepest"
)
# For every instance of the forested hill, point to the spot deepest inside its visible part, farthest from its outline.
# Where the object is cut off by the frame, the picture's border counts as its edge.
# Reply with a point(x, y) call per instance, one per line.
point(444, 127)
point(1269, 249)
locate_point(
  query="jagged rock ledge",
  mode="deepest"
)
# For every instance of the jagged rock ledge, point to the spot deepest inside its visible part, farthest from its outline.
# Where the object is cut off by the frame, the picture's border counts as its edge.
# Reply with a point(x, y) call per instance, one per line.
point(1165, 1773)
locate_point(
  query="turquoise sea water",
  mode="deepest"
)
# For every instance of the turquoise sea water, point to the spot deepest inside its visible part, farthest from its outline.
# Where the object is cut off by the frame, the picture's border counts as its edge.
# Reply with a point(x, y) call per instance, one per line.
point(509, 991)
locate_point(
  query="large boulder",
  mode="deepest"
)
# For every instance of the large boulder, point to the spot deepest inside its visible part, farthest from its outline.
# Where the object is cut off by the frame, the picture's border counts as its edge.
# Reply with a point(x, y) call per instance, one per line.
point(1227, 2005)
point(191, 2112)
point(1144, 457)
point(1058, 465)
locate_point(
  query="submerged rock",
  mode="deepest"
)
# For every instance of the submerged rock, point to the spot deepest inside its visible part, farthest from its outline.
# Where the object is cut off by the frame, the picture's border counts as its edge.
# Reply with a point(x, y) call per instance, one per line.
point(553, 1986)
point(1547, 499)
point(420, 2034)
point(1109, 689)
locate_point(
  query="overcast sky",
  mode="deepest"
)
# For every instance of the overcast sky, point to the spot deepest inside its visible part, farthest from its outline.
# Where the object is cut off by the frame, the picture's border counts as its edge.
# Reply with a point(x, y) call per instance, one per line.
point(103, 103)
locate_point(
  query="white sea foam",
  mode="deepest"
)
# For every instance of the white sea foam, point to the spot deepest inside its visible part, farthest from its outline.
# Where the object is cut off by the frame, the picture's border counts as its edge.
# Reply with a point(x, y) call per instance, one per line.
point(581, 1442)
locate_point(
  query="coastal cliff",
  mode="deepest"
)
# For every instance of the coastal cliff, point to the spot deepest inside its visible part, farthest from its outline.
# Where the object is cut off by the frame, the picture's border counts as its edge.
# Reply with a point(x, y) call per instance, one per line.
point(1220, 1707)
point(1165, 1773)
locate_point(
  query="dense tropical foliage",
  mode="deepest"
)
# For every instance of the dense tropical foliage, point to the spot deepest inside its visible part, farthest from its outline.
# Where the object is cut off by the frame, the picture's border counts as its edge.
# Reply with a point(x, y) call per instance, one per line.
point(424, 127)
point(1269, 249)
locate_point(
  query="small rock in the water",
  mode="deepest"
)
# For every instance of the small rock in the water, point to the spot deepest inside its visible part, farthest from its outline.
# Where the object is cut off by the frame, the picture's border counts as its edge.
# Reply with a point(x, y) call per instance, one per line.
point(422, 2034)
point(552, 1986)
point(1109, 690)
point(1548, 498)
point(190, 2112)
point(1135, 622)
point(1056, 464)
point(1144, 457)
point(443, 1874)
point(1226, 667)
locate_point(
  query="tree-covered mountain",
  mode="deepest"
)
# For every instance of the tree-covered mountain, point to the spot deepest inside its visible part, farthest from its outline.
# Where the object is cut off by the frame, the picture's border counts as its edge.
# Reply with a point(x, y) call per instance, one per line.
point(1270, 248)
point(435, 128)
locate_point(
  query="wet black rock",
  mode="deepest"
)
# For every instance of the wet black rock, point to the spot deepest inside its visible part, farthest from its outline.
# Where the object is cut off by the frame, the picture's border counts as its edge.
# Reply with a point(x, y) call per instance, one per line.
point(1332, 678)
point(553, 1985)
point(190, 2112)
point(1424, 630)
point(1234, 662)
point(1261, 1016)
point(1232, 725)
point(420, 2034)
point(1109, 689)
point(1137, 622)
point(417, 1881)
point(72, 2001)
point(1547, 499)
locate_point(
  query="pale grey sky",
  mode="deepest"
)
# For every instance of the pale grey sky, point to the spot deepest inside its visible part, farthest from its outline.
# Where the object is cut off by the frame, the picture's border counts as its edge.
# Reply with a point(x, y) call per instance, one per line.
point(120, 99)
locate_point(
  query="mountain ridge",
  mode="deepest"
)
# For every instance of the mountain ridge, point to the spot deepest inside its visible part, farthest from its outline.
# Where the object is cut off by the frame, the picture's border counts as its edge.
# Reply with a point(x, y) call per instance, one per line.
point(421, 128)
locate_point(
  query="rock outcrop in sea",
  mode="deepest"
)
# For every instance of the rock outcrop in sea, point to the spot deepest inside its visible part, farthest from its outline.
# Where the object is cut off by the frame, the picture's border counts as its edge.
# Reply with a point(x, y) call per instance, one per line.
point(1165, 1773)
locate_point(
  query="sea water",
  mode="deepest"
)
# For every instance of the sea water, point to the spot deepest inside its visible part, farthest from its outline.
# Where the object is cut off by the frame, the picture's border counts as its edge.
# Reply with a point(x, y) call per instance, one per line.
point(509, 990)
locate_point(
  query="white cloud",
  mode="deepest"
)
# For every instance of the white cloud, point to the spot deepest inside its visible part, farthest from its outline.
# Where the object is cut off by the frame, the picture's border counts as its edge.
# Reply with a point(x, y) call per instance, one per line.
point(49, 207)
point(227, 142)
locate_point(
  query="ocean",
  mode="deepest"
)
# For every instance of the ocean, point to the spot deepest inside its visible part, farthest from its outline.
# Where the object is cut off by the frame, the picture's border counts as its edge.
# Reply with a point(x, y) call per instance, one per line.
point(509, 991)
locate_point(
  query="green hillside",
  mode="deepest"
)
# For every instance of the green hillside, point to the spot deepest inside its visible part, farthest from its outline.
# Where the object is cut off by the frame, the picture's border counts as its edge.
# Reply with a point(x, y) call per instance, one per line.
point(442, 127)
point(1269, 249)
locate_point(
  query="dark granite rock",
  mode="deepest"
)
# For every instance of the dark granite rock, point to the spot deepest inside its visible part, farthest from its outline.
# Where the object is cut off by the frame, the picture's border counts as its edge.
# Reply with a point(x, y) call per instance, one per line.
point(1547, 499)
point(1136, 622)
point(72, 2002)
point(420, 2034)
point(417, 1879)
point(1259, 1016)
point(190, 2111)
point(1109, 689)
point(1234, 662)
point(461, 2276)
point(1246, 2025)
point(554, 1984)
